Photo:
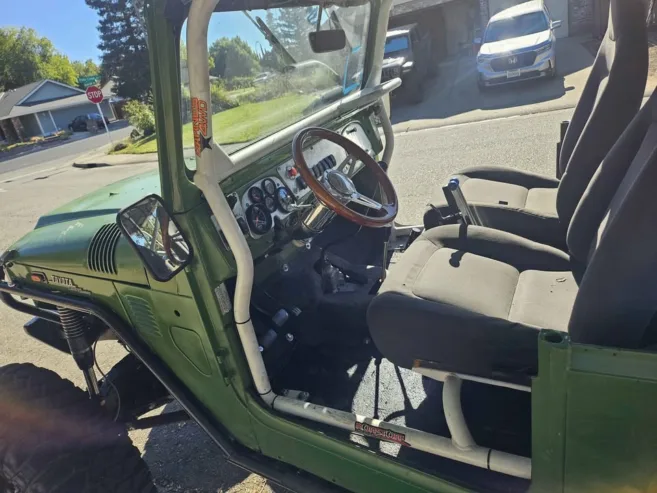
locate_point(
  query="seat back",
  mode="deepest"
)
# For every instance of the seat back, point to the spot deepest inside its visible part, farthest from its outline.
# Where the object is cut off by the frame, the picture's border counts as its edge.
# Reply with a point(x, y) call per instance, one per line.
point(611, 98)
point(617, 242)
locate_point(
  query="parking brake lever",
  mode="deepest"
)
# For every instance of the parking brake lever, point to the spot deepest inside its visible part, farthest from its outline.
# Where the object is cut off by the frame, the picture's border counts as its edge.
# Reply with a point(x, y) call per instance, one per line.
point(457, 202)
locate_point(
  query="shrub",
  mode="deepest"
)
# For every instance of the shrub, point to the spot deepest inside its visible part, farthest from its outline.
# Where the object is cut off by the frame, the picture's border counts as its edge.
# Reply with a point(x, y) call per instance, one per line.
point(140, 116)
point(220, 99)
point(238, 83)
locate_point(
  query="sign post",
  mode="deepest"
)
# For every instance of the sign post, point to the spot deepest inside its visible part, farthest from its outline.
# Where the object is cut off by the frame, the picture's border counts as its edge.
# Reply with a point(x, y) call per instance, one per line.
point(95, 95)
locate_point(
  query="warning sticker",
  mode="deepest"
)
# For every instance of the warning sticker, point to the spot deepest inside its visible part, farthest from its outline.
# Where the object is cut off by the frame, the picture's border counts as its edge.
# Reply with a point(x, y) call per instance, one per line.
point(200, 125)
point(381, 433)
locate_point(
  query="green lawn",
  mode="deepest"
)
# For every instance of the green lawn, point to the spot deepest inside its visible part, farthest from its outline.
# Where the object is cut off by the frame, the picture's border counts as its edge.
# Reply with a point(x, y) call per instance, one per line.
point(242, 124)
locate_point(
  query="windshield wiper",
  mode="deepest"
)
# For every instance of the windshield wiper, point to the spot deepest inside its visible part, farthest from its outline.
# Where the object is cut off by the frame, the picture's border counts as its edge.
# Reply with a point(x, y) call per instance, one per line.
point(273, 40)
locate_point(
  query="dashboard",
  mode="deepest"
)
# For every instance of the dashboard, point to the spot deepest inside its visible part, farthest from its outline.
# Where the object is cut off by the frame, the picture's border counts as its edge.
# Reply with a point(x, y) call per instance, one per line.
point(277, 199)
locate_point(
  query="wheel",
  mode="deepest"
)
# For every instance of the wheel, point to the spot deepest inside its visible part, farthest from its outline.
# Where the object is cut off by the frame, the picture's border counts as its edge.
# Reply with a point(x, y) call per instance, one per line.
point(417, 95)
point(54, 439)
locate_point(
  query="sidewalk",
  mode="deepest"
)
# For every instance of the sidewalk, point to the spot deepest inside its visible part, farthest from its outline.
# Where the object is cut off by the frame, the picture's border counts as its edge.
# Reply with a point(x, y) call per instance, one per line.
point(455, 99)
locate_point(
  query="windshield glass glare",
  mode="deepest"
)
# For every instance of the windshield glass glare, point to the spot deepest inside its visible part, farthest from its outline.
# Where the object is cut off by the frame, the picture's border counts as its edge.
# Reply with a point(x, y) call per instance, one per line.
point(264, 74)
point(395, 44)
point(522, 25)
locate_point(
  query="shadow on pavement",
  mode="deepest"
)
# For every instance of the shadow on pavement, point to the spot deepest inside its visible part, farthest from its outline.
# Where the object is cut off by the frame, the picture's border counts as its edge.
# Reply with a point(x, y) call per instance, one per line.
point(455, 90)
point(183, 458)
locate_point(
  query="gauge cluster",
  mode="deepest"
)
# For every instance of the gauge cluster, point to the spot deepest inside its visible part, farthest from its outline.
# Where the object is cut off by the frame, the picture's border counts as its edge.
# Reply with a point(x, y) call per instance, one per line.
point(271, 201)
point(265, 202)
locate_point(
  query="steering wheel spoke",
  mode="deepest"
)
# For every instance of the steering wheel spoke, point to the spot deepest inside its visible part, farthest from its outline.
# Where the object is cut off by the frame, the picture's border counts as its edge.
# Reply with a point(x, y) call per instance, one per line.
point(359, 198)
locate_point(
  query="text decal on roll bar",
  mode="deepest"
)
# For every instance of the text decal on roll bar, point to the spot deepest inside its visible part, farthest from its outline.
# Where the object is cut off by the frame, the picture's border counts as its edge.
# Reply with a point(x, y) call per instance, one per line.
point(381, 433)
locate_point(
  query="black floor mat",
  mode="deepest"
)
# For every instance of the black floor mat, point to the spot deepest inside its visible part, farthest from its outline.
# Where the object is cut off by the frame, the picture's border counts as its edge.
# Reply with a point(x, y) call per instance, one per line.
point(357, 379)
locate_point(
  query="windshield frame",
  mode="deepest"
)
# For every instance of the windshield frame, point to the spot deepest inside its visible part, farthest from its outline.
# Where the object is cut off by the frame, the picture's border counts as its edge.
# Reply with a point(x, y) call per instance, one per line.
point(366, 68)
point(507, 20)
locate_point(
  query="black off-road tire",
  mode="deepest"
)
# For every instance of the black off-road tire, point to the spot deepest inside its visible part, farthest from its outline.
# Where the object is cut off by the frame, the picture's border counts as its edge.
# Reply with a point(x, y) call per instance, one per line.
point(54, 439)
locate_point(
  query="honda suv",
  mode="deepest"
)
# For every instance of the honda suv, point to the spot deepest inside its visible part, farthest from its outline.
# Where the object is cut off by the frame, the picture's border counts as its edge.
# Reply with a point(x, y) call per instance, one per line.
point(518, 44)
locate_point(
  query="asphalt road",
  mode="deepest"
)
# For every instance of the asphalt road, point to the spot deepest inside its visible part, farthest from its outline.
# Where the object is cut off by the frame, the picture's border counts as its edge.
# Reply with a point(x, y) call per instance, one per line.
point(181, 457)
point(56, 155)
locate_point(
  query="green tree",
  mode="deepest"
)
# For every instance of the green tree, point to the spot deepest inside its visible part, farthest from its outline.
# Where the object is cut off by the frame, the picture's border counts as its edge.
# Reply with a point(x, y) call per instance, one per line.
point(60, 68)
point(24, 57)
point(86, 68)
point(233, 58)
point(123, 45)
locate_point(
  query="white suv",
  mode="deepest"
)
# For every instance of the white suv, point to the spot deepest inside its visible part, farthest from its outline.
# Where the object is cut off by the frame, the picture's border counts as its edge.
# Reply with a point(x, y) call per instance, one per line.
point(518, 44)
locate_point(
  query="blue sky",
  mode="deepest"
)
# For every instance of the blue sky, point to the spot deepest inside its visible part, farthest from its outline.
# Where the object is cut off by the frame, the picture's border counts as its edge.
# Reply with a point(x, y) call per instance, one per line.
point(69, 24)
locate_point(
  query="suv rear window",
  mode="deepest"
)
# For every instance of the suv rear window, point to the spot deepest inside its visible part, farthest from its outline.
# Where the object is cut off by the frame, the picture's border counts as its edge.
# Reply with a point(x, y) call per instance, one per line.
point(532, 23)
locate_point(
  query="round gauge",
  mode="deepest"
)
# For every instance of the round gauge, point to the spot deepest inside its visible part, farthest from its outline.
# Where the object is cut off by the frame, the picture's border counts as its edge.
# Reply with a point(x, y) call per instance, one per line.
point(256, 195)
point(285, 199)
point(270, 203)
point(259, 219)
point(269, 186)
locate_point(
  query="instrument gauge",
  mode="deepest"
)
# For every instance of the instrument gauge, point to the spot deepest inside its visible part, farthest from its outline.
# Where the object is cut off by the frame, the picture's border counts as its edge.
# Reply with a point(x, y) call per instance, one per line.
point(259, 219)
point(256, 195)
point(270, 203)
point(285, 200)
point(269, 186)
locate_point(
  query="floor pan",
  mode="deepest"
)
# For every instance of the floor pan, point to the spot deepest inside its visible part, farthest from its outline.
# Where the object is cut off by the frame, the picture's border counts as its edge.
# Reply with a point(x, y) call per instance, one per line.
point(359, 380)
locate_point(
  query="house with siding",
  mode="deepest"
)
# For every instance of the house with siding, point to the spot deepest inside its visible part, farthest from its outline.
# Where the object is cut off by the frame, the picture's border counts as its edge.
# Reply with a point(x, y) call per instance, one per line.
point(44, 107)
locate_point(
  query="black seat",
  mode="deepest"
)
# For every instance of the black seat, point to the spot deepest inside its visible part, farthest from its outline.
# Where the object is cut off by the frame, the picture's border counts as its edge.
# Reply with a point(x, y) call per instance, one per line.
point(472, 300)
point(539, 207)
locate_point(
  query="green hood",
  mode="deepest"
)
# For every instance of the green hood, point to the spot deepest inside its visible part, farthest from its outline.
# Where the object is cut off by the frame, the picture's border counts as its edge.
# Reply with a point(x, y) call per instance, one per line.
point(82, 238)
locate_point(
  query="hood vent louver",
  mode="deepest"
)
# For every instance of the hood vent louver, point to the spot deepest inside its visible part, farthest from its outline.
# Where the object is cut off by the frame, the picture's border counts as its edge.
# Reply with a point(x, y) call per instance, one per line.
point(101, 256)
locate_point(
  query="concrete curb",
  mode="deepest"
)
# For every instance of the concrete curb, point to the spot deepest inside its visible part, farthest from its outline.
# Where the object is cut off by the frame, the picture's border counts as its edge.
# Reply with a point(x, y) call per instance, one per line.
point(102, 160)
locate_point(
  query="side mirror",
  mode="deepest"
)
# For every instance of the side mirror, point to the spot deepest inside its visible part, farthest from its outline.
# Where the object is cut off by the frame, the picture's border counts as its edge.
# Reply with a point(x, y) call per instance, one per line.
point(156, 237)
point(327, 40)
point(476, 45)
point(555, 25)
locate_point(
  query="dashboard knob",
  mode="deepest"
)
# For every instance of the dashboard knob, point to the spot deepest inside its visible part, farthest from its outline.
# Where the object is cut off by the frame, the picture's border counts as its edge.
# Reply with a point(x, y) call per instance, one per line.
point(291, 172)
point(301, 183)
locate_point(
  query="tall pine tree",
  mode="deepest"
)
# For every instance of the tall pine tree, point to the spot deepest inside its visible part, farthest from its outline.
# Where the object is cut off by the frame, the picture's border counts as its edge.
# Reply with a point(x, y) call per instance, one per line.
point(123, 44)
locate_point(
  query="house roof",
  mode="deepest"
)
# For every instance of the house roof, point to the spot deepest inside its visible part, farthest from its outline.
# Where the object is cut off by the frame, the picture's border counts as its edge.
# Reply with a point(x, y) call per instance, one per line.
point(520, 9)
point(10, 107)
point(10, 98)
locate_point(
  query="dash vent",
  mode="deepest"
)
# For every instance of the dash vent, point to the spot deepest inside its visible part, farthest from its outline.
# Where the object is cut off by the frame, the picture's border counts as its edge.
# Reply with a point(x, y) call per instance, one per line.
point(101, 256)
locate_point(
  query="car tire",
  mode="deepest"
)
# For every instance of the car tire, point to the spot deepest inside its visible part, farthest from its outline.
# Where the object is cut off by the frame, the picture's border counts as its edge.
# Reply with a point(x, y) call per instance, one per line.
point(417, 96)
point(54, 439)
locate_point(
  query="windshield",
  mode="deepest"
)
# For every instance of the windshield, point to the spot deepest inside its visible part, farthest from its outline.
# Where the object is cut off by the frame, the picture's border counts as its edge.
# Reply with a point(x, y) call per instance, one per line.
point(515, 27)
point(395, 44)
point(264, 74)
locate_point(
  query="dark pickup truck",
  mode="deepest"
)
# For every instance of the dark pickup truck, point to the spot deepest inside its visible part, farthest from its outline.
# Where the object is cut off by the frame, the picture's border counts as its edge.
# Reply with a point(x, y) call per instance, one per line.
point(408, 55)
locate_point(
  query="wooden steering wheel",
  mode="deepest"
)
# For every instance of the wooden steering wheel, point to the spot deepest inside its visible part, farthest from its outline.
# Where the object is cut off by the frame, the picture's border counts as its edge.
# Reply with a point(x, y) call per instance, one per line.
point(336, 189)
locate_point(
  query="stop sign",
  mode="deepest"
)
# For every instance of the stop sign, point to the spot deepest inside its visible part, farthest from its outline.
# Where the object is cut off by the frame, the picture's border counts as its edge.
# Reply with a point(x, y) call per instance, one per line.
point(94, 94)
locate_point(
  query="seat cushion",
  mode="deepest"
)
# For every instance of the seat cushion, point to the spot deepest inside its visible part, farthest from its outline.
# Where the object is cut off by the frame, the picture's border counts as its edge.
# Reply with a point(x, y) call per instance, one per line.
point(472, 300)
point(509, 200)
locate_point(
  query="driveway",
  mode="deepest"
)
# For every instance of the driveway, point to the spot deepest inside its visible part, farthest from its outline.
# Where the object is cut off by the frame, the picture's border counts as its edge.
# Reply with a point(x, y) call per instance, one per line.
point(79, 143)
point(454, 97)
